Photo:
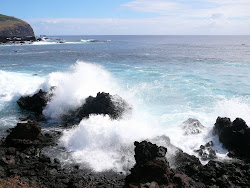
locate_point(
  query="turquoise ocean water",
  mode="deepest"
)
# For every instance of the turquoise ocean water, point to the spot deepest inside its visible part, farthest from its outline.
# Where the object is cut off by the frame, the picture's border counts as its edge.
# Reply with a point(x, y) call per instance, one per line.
point(167, 79)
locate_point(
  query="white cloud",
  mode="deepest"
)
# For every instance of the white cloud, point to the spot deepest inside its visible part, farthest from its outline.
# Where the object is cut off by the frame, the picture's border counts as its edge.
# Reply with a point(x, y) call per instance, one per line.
point(172, 17)
point(157, 6)
point(228, 8)
point(148, 26)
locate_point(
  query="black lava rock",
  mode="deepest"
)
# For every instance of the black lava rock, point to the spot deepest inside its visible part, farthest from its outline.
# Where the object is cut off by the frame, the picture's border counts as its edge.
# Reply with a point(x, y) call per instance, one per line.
point(153, 168)
point(36, 102)
point(235, 136)
point(206, 152)
point(103, 103)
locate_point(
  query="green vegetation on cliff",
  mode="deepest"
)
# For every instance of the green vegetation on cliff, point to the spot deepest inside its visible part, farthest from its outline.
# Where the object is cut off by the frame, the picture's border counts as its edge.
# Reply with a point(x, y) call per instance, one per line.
point(8, 18)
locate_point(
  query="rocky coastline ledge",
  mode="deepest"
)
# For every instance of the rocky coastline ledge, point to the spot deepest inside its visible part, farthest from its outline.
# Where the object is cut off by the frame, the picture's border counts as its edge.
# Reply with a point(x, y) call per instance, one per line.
point(23, 163)
point(14, 30)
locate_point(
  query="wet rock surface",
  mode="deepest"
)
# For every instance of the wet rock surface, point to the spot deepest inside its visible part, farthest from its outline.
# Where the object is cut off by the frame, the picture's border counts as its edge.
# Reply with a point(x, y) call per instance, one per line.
point(36, 102)
point(214, 173)
point(235, 136)
point(103, 103)
point(26, 161)
point(21, 156)
point(206, 152)
point(192, 126)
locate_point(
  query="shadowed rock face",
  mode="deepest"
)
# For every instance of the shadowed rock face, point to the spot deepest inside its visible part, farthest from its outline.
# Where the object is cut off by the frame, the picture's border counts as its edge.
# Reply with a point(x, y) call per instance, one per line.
point(206, 152)
point(17, 30)
point(21, 156)
point(152, 168)
point(103, 103)
point(235, 136)
point(24, 134)
point(36, 102)
point(214, 173)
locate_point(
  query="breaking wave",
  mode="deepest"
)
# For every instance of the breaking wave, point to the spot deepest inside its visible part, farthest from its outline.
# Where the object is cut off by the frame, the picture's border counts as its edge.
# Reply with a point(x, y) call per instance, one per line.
point(103, 144)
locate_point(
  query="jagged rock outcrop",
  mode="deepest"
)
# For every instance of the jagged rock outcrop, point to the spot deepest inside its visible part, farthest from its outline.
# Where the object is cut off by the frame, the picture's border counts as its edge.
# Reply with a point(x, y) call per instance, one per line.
point(152, 169)
point(103, 103)
point(206, 152)
point(27, 133)
point(192, 126)
point(21, 156)
point(36, 102)
point(235, 136)
point(11, 27)
point(214, 173)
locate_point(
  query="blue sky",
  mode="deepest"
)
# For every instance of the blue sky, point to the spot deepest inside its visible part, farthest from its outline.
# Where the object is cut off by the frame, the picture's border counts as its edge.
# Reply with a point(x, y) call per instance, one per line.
point(97, 17)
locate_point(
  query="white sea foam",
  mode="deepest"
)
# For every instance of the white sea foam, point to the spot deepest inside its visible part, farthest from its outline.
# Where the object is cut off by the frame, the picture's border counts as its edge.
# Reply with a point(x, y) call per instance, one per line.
point(233, 108)
point(73, 87)
point(94, 40)
point(16, 84)
point(105, 144)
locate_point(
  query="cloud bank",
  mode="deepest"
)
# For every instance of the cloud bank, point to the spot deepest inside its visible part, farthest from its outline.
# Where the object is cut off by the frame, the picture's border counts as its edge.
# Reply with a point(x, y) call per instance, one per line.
point(201, 17)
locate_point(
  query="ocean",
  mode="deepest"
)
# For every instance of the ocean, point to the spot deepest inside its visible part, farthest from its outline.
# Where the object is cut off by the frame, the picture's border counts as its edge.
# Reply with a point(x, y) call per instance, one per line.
point(166, 79)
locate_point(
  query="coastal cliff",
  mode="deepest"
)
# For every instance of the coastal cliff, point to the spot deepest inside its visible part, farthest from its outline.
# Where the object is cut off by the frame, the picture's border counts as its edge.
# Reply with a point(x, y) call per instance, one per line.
point(12, 27)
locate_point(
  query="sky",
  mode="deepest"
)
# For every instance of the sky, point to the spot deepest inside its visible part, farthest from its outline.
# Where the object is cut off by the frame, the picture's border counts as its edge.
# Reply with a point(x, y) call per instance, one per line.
point(132, 17)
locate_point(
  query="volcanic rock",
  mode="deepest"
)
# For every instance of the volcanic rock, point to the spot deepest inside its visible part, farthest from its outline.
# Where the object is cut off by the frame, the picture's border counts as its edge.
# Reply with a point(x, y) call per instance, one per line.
point(152, 166)
point(24, 131)
point(214, 173)
point(206, 152)
point(103, 103)
point(36, 102)
point(192, 126)
point(235, 136)
point(13, 29)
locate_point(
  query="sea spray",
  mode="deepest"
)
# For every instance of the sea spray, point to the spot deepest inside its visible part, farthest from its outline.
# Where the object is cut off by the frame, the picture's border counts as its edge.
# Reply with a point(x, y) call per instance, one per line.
point(104, 144)
point(83, 80)
point(159, 107)
point(14, 84)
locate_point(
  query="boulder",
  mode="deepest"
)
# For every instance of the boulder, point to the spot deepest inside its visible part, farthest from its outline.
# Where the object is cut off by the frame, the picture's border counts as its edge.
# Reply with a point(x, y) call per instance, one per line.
point(187, 164)
point(36, 102)
point(152, 166)
point(103, 103)
point(192, 126)
point(24, 132)
point(235, 136)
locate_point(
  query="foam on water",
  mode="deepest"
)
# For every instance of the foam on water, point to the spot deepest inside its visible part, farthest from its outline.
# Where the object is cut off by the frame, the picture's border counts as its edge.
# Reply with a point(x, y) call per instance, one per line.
point(15, 84)
point(73, 87)
point(104, 144)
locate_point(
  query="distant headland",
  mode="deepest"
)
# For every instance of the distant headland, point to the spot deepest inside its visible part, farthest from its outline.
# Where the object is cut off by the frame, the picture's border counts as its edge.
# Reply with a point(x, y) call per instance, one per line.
point(15, 30)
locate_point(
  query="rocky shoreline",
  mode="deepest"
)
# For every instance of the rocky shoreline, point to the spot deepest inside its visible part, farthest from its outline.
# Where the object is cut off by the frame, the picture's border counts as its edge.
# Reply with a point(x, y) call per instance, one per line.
point(22, 159)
